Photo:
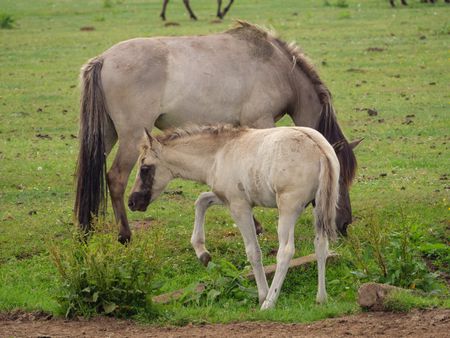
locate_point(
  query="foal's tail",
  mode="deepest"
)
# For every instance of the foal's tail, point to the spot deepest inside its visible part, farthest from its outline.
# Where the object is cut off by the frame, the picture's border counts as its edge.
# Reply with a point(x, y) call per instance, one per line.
point(91, 166)
point(327, 196)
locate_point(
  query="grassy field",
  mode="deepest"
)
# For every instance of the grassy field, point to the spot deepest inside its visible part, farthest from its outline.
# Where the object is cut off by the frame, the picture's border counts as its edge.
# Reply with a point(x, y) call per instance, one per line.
point(393, 61)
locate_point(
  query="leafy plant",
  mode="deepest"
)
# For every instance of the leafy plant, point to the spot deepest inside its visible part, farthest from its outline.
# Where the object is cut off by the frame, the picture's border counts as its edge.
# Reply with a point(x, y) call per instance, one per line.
point(342, 3)
point(223, 282)
point(6, 21)
point(102, 276)
point(107, 3)
point(389, 254)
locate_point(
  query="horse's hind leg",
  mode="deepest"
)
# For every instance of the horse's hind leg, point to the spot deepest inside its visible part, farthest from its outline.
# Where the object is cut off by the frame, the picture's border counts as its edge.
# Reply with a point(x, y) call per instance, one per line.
point(163, 12)
point(118, 175)
point(226, 9)
point(219, 9)
point(188, 7)
point(287, 218)
point(203, 202)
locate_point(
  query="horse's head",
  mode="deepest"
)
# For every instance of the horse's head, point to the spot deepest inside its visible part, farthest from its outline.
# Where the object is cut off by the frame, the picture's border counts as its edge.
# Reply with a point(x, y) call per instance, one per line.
point(152, 176)
point(344, 209)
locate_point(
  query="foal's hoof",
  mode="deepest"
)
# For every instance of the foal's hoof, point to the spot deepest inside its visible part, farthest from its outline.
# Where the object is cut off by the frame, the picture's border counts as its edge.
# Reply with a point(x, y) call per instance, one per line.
point(267, 305)
point(321, 299)
point(205, 258)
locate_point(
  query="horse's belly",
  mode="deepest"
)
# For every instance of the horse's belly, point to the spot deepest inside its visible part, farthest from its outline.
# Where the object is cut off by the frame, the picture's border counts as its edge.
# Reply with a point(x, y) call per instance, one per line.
point(184, 116)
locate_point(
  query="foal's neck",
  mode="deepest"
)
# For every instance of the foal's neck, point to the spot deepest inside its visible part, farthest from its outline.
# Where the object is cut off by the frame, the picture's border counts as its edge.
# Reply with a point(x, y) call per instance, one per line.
point(192, 158)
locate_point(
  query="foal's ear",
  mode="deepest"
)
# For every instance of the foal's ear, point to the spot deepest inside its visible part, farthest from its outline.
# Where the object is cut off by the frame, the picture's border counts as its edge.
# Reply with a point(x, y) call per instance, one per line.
point(355, 143)
point(149, 136)
point(154, 144)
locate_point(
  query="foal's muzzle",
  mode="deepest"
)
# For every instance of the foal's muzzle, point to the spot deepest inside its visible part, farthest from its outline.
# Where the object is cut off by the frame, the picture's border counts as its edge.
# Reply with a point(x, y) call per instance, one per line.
point(139, 201)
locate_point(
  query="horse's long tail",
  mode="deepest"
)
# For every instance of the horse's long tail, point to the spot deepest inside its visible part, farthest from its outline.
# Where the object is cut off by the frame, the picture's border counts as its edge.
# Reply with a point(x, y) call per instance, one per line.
point(91, 166)
point(327, 196)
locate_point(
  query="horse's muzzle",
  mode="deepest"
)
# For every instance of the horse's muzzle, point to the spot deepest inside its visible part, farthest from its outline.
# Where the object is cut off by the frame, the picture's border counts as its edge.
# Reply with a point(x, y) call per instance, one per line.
point(139, 201)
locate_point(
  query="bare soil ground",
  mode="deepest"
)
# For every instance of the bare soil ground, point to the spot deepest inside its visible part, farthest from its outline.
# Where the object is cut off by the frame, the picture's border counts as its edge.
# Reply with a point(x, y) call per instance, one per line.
point(426, 323)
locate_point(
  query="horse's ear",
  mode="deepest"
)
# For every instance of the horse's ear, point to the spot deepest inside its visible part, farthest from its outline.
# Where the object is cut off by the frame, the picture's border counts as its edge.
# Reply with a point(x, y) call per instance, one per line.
point(355, 143)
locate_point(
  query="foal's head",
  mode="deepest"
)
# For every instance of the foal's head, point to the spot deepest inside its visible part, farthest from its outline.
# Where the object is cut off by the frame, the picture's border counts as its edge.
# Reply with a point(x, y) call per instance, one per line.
point(152, 176)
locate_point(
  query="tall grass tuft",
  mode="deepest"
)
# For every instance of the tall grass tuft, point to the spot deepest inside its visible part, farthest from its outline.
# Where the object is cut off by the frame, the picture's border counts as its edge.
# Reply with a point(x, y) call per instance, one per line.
point(390, 254)
point(102, 276)
point(6, 21)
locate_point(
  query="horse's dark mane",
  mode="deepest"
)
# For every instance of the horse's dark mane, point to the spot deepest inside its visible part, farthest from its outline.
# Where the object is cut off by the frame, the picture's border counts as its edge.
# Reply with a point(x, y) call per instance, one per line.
point(192, 130)
point(327, 124)
point(292, 51)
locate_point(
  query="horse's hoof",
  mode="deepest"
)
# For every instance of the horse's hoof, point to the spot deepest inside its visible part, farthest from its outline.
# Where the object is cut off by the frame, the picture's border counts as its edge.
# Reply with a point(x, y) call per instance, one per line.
point(205, 258)
point(124, 239)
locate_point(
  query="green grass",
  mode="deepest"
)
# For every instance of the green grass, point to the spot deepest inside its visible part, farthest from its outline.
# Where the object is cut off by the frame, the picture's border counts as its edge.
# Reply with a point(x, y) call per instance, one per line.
point(40, 60)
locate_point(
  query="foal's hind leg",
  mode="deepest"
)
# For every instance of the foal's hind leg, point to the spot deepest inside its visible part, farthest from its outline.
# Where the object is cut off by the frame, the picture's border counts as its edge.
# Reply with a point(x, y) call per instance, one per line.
point(286, 223)
point(321, 248)
point(203, 202)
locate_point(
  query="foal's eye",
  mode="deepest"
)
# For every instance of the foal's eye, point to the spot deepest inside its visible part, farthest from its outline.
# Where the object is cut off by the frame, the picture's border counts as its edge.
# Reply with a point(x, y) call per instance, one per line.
point(145, 169)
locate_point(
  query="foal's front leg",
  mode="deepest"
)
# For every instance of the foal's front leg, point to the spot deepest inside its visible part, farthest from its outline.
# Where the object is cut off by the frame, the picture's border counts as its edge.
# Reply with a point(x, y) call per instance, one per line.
point(203, 202)
point(242, 215)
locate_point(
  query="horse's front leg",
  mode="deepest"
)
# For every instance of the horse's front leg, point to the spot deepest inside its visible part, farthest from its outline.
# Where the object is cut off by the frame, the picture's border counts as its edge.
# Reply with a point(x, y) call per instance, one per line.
point(286, 249)
point(226, 9)
point(118, 175)
point(163, 12)
point(242, 215)
point(203, 202)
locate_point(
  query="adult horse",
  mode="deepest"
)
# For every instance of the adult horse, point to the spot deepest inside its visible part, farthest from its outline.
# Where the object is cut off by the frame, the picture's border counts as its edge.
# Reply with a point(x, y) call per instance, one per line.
point(220, 14)
point(244, 76)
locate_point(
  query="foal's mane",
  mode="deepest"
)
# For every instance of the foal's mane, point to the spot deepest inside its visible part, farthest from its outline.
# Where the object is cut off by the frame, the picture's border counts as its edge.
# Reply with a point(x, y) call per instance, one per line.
point(228, 130)
point(327, 124)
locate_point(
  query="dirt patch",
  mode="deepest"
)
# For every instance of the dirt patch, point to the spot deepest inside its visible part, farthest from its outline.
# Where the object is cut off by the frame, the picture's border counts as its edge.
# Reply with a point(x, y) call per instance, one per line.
point(428, 323)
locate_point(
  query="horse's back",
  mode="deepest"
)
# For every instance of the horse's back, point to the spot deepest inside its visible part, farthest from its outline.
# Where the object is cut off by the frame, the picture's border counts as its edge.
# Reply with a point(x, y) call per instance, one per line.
point(231, 77)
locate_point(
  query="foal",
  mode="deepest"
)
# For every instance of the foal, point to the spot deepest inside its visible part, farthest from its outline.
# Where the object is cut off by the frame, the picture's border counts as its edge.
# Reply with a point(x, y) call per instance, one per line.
point(286, 167)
